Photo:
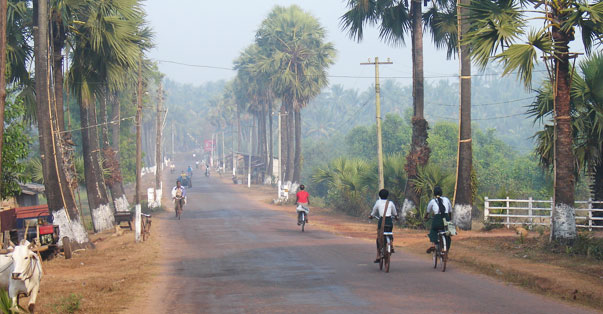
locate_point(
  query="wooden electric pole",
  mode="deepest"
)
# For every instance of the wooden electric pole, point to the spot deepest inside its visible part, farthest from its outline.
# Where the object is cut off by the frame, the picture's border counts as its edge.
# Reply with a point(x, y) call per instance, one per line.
point(378, 114)
point(158, 157)
point(138, 133)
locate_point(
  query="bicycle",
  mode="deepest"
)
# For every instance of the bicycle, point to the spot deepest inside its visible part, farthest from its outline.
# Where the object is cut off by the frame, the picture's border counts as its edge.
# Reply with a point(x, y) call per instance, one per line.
point(178, 206)
point(442, 247)
point(301, 216)
point(385, 251)
point(146, 226)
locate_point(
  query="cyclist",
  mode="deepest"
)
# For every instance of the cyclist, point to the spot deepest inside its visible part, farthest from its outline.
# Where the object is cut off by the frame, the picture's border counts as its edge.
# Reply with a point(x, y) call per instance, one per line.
point(302, 199)
point(379, 211)
point(179, 196)
point(190, 171)
point(440, 207)
point(197, 164)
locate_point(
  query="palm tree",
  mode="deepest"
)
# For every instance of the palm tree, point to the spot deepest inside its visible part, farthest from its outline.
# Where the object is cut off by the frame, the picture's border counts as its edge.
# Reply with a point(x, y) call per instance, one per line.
point(587, 126)
point(498, 26)
point(296, 57)
point(445, 24)
point(106, 47)
point(60, 197)
point(395, 20)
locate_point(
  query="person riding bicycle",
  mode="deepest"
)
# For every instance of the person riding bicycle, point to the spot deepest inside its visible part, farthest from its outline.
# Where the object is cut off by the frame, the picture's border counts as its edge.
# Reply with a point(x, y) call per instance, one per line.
point(179, 196)
point(440, 207)
point(197, 164)
point(302, 199)
point(380, 211)
point(190, 171)
point(183, 178)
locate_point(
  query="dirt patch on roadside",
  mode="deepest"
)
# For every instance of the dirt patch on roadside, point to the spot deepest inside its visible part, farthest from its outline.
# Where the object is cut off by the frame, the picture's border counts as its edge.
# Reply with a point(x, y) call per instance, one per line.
point(101, 280)
point(499, 253)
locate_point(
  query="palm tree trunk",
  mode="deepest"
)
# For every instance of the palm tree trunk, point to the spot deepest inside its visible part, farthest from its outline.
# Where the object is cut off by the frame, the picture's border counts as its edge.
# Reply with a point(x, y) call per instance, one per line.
point(59, 195)
point(564, 223)
point(298, 148)
point(269, 171)
point(597, 191)
point(463, 199)
point(102, 215)
point(3, 9)
point(115, 181)
point(419, 149)
point(290, 144)
point(283, 148)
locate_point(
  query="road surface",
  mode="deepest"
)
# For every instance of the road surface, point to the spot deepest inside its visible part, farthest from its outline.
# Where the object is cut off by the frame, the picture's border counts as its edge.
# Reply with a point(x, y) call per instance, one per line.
point(232, 255)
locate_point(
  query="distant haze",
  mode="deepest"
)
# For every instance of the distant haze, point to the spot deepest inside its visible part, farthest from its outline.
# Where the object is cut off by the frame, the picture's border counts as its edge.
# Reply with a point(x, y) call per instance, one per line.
point(215, 32)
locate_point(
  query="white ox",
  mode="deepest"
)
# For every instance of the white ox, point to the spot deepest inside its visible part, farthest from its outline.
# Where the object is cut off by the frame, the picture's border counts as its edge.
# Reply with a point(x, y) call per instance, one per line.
point(21, 272)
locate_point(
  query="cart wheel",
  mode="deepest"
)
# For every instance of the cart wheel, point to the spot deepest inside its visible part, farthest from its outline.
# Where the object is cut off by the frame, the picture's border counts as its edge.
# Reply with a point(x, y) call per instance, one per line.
point(67, 247)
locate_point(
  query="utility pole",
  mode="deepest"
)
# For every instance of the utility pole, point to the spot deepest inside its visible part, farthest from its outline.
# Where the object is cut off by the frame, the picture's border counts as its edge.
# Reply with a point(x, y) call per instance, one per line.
point(158, 159)
point(138, 132)
point(223, 166)
point(250, 148)
point(378, 114)
point(172, 140)
point(234, 165)
point(280, 170)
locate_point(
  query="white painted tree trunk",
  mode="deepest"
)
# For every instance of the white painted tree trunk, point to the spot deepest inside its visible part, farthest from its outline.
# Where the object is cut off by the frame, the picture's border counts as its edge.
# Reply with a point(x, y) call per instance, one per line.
point(121, 204)
point(564, 222)
point(74, 229)
point(103, 218)
point(137, 221)
point(461, 216)
point(407, 207)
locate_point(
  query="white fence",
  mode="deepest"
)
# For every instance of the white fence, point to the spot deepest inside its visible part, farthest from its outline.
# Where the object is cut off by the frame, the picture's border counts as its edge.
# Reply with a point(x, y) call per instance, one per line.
point(537, 212)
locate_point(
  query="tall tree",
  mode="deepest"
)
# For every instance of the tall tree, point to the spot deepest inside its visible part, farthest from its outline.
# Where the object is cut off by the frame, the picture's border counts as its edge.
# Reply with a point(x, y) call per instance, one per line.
point(296, 57)
point(395, 20)
point(3, 9)
point(59, 194)
point(586, 98)
point(106, 47)
point(498, 25)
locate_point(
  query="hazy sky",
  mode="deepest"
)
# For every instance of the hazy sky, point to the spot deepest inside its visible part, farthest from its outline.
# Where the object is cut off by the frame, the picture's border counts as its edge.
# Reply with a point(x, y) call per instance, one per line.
point(214, 33)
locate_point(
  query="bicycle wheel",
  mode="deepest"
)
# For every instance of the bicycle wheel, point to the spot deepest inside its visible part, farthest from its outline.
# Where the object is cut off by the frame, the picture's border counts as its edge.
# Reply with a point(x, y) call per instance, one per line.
point(444, 254)
point(143, 227)
point(381, 262)
point(435, 256)
point(386, 258)
point(303, 225)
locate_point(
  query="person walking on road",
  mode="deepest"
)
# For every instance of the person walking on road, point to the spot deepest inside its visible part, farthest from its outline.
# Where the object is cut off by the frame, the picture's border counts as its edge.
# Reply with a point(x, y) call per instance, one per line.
point(302, 199)
point(382, 213)
point(179, 197)
point(440, 207)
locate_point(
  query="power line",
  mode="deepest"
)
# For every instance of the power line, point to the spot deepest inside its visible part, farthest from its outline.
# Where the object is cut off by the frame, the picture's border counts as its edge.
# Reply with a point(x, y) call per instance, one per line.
point(96, 125)
point(482, 119)
point(336, 76)
point(489, 104)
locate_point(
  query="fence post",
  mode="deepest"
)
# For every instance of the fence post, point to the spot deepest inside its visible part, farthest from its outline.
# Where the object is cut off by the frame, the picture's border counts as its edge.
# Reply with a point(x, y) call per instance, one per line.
point(508, 219)
point(551, 216)
point(530, 206)
point(590, 214)
point(486, 209)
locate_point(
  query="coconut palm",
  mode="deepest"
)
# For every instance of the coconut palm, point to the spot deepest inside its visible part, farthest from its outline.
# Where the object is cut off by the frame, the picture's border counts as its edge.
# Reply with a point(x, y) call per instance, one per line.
point(443, 22)
point(587, 126)
point(396, 20)
point(497, 32)
point(106, 46)
point(296, 58)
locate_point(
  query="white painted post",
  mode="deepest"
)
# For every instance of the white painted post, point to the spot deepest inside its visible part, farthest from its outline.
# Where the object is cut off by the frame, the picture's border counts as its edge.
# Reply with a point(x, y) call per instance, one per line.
point(508, 220)
point(551, 216)
point(530, 206)
point(137, 222)
point(590, 214)
point(486, 209)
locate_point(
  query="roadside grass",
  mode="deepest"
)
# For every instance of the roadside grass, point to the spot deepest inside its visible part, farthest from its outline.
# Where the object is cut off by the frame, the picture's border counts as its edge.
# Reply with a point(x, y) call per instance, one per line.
point(68, 304)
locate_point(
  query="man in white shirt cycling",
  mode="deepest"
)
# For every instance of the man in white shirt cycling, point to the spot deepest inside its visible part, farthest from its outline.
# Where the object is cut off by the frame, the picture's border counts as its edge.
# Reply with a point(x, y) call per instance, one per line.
point(379, 211)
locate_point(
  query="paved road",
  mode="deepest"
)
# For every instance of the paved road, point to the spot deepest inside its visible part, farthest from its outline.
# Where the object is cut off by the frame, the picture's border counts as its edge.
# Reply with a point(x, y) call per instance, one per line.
point(230, 255)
